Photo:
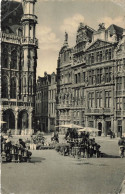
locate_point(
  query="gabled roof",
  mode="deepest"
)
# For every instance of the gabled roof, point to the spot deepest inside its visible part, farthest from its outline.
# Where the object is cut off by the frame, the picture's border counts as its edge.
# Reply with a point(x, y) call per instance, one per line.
point(98, 44)
point(115, 28)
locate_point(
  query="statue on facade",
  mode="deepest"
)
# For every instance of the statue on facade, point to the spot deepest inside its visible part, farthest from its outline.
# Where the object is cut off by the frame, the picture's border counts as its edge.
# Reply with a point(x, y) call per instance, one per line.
point(66, 37)
point(101, 26)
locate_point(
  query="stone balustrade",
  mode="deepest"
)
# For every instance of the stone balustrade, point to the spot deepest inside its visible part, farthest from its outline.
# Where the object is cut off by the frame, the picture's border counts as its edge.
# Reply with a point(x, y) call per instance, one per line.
point(10, 38)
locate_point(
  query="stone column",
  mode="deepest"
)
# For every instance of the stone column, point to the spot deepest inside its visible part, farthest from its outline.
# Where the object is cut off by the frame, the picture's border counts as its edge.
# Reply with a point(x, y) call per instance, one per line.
point(112, 124)
point(16, 122)
point(103, 98)
point(115, 127)
point(49, 123)
point(86, 121)
point(1, 114)
point(94, 122)
point(103, 127)
point(30, 123)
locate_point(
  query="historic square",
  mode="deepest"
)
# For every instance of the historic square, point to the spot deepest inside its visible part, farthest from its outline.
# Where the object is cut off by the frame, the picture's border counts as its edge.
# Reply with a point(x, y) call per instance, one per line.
point(62, 97)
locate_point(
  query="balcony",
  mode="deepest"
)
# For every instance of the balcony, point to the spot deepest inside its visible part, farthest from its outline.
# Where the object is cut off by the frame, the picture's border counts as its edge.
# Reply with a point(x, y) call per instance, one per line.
point(15, 103)
point(29, 17)
point(30, 41)
point(98, 111)
point(63, 106)
point(118, 113)
point(118, 92)
point(79, 62)
point(9, 38)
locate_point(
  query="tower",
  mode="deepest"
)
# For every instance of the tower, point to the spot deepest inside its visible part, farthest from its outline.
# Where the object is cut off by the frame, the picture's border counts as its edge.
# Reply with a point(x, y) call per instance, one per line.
point(29, 52)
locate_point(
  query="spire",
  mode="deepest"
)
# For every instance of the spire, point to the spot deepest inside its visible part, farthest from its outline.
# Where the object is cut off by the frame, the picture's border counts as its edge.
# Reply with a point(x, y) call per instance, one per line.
point(66, 39)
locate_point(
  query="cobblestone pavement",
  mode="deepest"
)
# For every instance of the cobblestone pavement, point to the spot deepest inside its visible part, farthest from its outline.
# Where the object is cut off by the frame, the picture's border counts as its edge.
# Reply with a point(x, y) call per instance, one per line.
point(51, 173)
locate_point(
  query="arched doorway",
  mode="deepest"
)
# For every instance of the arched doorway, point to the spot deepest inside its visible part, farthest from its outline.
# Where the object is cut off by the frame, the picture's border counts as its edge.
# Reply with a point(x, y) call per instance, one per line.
point(100, 128)
point(9, 118)
point(23, 120)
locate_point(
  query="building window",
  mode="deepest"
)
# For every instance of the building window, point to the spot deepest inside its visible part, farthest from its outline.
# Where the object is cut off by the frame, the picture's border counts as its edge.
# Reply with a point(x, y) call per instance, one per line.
point(4, 58)
point(91, 124)
point(106, 55)
point(13, 88)
point(4, 87)
point(99, 99)
point(124, 63)
point(83, 76)
point(119, 65)
point(76, 78)
point(108, 99)
point(119, 125)
point(119, 103)
point(64, 56)
point(91, 100)
point(89, 59)
point(108, 72)
point(91, 77)
point(119, 84)
point(79, 78)
point(14, 59)
point(24, 85)
point(109, 54)
point(123, 103)
point(99, 56)
point(92, 58)
point(99, 76)
point(30, 85)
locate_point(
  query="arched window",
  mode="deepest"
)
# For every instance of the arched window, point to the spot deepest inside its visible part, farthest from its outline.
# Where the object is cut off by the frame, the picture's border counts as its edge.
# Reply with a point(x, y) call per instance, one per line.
point(14, 59)
point(4, 87)
point(5, 58)
point(19, 32)
point(13, 88)
point(24, 85)
point(30, 85)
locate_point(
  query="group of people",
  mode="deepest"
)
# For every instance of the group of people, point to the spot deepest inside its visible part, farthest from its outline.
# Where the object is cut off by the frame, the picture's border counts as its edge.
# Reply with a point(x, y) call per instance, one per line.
point(55, 136)
point(15, 152)
point(79, 144)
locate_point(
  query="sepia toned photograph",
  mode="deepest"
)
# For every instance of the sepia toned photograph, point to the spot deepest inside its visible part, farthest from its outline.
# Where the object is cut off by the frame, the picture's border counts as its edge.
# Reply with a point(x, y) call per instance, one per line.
point(62, 111)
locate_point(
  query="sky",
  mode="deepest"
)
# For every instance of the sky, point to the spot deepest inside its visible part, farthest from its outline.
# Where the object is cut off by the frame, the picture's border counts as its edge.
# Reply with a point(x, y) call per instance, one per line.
point(57, 16)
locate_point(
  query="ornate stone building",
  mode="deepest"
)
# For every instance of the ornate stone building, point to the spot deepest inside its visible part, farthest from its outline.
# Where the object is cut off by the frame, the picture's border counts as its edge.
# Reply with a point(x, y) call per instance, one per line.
point(64, 84)
point(52, 93)
point(46, 102)
point(91, 79)
point(18, 66)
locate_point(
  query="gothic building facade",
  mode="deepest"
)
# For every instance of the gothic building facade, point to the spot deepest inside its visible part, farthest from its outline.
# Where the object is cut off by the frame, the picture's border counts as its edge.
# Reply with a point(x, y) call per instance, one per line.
point(18, 67)
point(91, 80)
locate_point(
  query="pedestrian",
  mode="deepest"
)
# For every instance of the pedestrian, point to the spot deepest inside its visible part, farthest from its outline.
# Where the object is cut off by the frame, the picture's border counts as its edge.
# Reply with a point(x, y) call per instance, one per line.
point(121, 144)
point(31, 143)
